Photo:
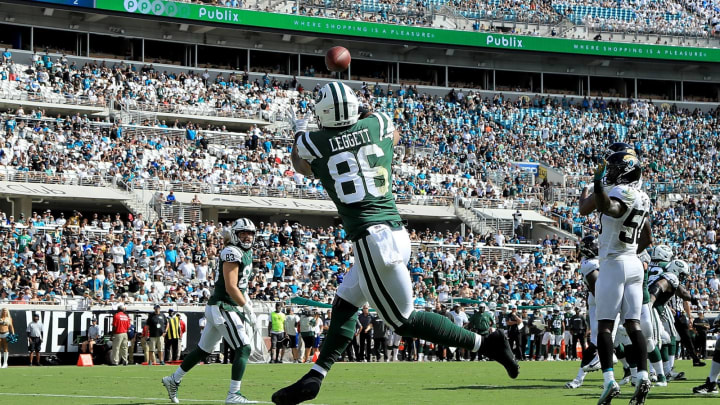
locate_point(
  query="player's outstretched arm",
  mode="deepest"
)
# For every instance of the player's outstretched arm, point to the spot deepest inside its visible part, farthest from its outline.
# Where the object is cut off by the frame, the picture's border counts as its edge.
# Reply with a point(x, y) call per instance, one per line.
point(646, 238)
point(230, 274)
point(299, 164)
point(587, 202)
point(603, 203)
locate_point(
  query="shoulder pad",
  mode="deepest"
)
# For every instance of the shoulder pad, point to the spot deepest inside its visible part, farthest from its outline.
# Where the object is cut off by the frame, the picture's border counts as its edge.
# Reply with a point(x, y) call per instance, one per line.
point(672, 279)
point(624, 193)
point(231, 254)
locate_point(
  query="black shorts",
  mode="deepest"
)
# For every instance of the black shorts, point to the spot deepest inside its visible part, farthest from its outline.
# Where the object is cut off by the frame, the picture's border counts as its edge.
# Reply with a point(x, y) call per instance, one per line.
point(309, 341)
point(291, 341)
point(35, 344)
point(276, 338)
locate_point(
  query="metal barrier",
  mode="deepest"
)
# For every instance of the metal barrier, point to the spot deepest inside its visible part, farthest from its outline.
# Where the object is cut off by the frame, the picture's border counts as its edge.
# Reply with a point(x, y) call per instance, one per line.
point(66, 178)
point(54, 98)
point(173, 212)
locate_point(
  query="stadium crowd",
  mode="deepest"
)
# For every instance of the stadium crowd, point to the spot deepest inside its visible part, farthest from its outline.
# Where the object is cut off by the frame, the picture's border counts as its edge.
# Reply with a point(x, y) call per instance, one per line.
point(460, 145)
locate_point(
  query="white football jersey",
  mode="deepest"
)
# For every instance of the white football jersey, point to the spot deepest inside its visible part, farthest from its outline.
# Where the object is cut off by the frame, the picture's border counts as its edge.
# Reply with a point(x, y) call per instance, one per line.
point(587, 266)
point(619, 236)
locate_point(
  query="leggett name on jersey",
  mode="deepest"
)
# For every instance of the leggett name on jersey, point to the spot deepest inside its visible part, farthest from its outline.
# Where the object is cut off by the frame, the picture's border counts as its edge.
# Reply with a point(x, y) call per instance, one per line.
point(350, 140)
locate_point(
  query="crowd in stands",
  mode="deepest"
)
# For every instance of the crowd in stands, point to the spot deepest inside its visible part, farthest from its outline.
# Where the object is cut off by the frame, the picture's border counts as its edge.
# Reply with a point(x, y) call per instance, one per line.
point(461, 145)
point(699, 18)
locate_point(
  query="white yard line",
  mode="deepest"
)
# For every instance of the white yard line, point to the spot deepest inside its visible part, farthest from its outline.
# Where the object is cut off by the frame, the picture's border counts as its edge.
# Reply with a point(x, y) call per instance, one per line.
point(116, 397)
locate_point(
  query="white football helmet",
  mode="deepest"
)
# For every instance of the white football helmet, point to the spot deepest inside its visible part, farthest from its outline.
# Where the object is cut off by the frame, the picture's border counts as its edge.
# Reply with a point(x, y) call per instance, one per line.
point(662, 253)
point(241, 225)
point(680, 268)
point(336, 106)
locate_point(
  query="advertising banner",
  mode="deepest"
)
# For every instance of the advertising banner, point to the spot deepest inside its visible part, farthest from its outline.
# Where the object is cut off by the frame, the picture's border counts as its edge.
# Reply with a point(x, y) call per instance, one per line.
point(317, 25)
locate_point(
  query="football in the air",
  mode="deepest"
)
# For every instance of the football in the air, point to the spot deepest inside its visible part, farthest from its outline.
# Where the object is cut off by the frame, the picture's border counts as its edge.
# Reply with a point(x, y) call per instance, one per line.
point(337, 59)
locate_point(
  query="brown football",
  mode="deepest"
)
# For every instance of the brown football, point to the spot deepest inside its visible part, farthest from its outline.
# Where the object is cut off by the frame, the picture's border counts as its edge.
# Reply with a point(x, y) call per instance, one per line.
point(337, 59)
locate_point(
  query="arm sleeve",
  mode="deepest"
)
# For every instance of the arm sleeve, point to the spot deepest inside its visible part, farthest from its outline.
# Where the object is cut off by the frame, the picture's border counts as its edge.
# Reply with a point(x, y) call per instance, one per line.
point(306, 148)
point(387, 128)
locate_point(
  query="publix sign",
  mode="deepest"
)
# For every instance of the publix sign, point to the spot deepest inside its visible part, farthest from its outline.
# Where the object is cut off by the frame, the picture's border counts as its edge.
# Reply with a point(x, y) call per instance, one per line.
point(504, 42)
point(221, 15)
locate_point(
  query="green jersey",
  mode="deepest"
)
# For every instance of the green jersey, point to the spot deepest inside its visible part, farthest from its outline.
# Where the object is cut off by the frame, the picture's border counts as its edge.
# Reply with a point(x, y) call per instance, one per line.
point(354, 166)
point(231, 254)
point(654, 269)
point(556, 324)
point(481, 322)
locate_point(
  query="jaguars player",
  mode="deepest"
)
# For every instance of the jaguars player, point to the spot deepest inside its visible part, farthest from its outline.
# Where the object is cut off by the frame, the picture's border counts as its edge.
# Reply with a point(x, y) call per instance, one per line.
point(352, 158)
point(625, 232)
point(228, 311)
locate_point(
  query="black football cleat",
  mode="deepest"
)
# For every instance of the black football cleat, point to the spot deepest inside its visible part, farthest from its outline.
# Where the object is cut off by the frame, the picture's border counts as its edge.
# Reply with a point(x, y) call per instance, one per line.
point(495, 346)
point(305, 389)
point(710, 387)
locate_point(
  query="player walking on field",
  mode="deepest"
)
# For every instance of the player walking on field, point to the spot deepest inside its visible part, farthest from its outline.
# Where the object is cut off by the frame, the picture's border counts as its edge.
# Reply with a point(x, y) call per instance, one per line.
point(625, 232)
point(227, 312)
point(352, 158)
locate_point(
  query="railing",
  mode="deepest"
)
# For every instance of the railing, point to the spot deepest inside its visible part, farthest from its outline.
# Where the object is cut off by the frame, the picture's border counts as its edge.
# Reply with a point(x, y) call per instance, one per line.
point(66, 178)
point(55, 98)
point(532, 202)
point(173, 212)
point(200, 110)
point(299, 192)
point(213, 137)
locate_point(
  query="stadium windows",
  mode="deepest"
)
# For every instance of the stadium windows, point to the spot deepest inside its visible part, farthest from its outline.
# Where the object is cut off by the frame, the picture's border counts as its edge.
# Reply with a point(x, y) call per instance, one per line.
point(701, 91)
point(517, 81)
point(271, 62)
point(658, 89)
point(429, 75)
point(169, 53)
point(470, 78)
point(215, 57)
point(313, 66)
point(112, 47)
point(58, 41)
point(371, 70)
point(14, 36)
point(612, 86)
point(564, 84)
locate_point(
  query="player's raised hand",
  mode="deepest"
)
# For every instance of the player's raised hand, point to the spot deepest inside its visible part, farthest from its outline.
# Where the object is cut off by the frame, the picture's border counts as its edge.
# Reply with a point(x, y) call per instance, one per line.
point(298, 124)
point(600, 171)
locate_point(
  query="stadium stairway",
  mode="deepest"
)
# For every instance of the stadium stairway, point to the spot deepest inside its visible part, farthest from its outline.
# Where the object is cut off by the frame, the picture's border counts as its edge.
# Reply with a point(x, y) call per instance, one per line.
point(138, 202)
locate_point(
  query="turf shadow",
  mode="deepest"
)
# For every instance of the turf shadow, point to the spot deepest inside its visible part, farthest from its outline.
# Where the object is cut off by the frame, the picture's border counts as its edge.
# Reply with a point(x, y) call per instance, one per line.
point(490, 387)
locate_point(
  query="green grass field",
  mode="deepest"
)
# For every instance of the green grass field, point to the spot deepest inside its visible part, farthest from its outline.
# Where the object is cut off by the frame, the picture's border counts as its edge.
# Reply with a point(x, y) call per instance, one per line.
point(376, 384)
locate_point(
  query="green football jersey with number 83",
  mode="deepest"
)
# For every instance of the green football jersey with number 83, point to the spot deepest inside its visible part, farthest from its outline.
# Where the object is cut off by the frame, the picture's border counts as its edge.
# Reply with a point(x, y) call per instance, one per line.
point(354, 166)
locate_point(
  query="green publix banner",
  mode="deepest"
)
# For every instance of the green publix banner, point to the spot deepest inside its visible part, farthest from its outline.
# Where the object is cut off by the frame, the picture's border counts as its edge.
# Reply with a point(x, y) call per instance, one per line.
point(315, 25)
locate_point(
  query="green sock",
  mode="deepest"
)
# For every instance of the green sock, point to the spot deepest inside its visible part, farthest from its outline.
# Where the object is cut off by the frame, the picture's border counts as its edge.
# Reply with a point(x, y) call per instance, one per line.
point(654, 356)
point(620, 351)
point(340, 332)
point(238, 366)
point(437, 329)
point(664, 355)
point(673, 347)
point(193, 358)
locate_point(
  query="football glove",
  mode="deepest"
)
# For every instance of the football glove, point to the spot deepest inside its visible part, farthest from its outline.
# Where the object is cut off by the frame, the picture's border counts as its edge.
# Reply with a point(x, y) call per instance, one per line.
point(600, 171)
point(298, 124)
